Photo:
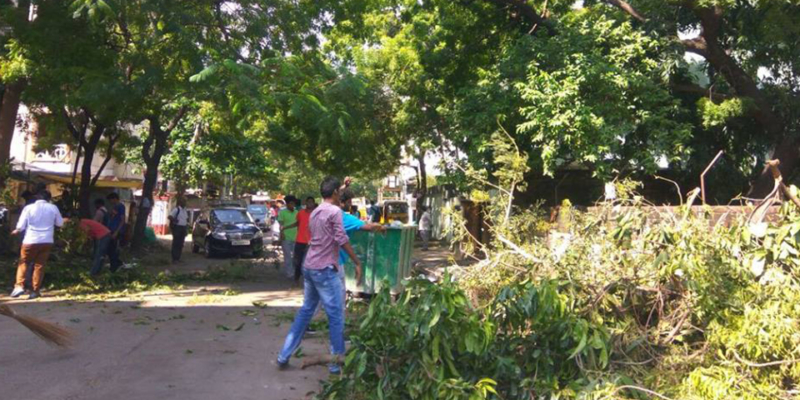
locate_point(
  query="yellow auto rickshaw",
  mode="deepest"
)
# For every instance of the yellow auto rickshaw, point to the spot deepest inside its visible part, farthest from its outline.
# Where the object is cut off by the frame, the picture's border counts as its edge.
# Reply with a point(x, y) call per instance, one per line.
point(394, 210)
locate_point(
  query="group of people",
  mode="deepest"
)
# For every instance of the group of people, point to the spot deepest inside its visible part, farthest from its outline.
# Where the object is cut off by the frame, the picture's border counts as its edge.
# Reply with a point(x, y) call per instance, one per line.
point(36, 227)
point(107, 229)
point(294, 218)
point(295, 234)
point(321, 262)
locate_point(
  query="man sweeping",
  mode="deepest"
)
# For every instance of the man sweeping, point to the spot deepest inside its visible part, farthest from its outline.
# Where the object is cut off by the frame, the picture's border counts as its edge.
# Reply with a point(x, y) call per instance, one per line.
point(39, 221)
point(322, 282)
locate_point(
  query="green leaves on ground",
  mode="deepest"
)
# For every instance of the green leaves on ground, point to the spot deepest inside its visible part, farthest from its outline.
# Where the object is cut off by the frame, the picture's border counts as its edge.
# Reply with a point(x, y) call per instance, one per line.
point(626, 302)
point(238, 328)
point(432, 344)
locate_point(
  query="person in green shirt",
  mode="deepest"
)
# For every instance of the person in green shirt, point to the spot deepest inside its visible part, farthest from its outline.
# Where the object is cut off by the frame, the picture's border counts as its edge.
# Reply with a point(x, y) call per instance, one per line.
point(287, 219)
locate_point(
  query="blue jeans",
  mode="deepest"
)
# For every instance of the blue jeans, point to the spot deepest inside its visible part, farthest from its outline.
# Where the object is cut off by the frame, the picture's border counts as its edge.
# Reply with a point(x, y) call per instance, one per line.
point(325, 286)
point(100, 250)
point(288, 258)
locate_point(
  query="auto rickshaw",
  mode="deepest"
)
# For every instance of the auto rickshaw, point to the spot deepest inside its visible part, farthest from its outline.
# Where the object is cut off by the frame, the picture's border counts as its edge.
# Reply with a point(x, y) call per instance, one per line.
point(394, 210)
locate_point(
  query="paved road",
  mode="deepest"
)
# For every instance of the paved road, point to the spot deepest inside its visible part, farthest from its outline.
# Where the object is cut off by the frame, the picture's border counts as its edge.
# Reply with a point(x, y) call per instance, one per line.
point(162, 346)
point(167, 345)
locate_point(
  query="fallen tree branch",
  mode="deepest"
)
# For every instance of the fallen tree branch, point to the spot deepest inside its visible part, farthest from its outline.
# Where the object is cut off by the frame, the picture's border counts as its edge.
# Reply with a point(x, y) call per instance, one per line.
point(518, 249)
point(674, 183)
point(638, 388)
point(776, 173)
point(757, 216)
point(762, 365)
point(678, 326)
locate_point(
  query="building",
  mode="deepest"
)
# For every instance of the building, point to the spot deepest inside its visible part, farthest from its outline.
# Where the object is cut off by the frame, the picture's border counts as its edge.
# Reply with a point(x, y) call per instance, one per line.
point(54, 167)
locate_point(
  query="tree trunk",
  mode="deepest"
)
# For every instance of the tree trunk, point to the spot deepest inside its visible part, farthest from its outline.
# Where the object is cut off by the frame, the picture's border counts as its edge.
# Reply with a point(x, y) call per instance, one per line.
point(78, 153)
point(11, 97)
point(234, 188)
point(152, 158)
point(8, 122)
point(422, 187)
point(85, 189)
point(86, 185)
point(150, 181)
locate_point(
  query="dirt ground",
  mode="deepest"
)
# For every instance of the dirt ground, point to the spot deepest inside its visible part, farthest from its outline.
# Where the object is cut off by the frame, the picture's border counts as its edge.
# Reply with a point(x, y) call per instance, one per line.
point(204, 341)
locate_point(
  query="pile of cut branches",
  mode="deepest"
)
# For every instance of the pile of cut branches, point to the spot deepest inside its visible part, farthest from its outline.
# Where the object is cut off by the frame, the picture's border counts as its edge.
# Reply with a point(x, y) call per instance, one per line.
point(626, 303)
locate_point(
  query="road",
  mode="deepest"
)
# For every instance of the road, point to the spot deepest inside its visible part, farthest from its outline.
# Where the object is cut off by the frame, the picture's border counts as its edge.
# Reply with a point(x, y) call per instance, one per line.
point(176, 344)
point(169, 345)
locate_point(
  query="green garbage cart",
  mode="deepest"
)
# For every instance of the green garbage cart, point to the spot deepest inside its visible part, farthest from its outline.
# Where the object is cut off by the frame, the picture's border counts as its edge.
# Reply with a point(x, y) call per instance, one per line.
point(384, 257)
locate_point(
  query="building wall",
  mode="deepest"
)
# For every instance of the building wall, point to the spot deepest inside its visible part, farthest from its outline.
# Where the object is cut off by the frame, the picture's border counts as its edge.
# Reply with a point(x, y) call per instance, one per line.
point(61, 159)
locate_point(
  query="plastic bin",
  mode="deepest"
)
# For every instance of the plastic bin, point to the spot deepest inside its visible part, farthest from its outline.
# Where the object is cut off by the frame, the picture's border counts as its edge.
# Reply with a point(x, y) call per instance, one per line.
point(384, 256)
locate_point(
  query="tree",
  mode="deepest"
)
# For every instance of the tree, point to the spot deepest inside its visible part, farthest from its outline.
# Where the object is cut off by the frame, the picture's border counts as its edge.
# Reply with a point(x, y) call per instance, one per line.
point(72, 87)
point(208, 147)
point(736, 39)
point(14, 17)
point(604, 85)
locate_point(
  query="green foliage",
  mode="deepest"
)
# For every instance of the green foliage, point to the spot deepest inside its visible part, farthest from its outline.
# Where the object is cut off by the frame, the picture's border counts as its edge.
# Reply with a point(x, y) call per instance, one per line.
point(431, 344)
point(348, 131)
point(719, 114)
point(630, 300)
point(594, 95)
point(426, 346)
point(588, 87)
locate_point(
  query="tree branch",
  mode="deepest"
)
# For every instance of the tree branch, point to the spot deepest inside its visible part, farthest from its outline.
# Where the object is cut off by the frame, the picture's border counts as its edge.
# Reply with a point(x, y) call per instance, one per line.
point(148, 143)
point(697, 89)
point(177, 118)
point(70, 126)
point(697, 46)
point(79, 135)
point(762, 365)
point(528, 12)
point(109, 153)
point(625, 6)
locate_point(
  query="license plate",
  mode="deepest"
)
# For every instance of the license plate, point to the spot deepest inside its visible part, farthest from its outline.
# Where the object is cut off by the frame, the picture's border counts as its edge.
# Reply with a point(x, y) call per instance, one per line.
point(241, 243)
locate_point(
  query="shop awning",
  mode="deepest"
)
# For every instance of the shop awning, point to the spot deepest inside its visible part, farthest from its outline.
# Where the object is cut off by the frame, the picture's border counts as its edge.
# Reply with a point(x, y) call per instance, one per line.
point(101, 183)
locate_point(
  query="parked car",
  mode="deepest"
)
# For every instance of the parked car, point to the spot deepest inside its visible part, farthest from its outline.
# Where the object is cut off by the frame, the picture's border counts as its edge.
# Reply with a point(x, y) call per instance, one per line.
point(227, 230)
point(261, 215)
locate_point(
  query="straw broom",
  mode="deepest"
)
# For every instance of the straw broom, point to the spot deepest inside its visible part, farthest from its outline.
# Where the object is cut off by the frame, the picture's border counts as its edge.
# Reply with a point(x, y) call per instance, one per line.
point(48, 332)
point(320, 360)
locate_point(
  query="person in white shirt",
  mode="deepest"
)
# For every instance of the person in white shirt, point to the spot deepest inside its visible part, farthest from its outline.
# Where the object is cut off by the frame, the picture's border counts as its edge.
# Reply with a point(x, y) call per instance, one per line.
point(425, 227)
point(178, 219)
point(39, 221)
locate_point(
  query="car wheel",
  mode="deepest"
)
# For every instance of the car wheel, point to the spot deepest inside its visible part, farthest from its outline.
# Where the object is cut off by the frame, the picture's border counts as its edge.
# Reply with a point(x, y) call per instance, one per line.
point(208, 251)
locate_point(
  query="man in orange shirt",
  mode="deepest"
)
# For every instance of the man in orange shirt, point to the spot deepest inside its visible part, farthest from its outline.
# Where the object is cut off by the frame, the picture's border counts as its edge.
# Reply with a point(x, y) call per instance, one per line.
point(102, 238)
point(303, 236)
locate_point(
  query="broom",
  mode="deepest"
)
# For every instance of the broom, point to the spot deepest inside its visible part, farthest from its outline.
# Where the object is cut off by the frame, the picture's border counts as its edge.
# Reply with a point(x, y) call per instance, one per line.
point(48, 332)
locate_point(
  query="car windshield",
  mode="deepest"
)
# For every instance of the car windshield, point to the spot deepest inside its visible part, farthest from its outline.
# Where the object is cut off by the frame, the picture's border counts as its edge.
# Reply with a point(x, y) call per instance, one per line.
point(231, 216)
point(259, 209)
